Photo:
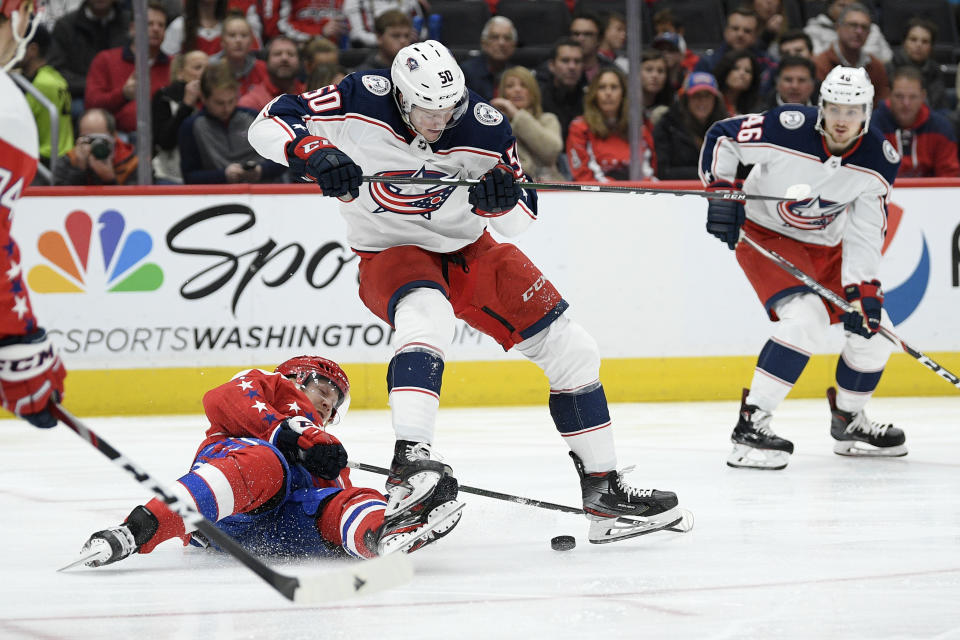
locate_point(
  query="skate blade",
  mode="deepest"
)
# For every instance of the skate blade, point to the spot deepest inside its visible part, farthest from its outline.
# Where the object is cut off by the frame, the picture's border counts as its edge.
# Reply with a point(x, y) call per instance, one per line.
point(616, 529)
point(744, 457)
point(412, 491)
point(89, 556)
point(440, 528)
point(857, 449)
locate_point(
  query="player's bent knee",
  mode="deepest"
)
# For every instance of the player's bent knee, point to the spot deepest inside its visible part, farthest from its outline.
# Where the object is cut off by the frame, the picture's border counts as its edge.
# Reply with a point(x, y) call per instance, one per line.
point(803, 319)
point(424, 317)
point(566, 352)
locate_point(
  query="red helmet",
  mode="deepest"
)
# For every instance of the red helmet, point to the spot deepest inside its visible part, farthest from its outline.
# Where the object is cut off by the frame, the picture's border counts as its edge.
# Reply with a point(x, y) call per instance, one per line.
point(303, 368)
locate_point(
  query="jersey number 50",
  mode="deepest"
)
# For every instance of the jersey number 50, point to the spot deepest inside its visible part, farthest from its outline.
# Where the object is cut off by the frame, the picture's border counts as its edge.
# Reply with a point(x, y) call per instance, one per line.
point(323, 99)
point(751, 129)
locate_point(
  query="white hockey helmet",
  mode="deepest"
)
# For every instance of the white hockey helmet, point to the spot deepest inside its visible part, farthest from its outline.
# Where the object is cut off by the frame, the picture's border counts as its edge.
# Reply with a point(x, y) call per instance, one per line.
point(846, 85)
point(426, 75)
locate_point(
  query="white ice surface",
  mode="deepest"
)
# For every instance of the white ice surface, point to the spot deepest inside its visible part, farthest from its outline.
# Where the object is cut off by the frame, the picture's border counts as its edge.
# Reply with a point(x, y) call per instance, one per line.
point(831, 547)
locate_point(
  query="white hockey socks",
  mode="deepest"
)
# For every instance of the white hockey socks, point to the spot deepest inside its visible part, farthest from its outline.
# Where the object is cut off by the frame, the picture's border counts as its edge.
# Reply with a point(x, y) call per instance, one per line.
point(570, 358)
point(424, 329)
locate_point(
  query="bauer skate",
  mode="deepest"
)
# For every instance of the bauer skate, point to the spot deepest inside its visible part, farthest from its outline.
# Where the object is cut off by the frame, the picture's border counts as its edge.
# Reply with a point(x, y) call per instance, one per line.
point(414, 477)
point(755, 445)
point(618, 511)
point(856, 435)
point(119, 542)
point(407, 536)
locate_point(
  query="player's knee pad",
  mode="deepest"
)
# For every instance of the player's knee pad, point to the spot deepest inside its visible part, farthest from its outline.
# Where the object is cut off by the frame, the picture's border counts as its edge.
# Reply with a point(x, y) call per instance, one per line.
point(245, 480)
point(566, 353)
point(351, 519)
point(424, 319)
point(803, 321)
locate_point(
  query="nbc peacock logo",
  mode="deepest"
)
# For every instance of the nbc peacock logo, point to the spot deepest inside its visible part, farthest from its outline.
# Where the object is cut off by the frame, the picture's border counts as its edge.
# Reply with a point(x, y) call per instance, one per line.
point(75, 257)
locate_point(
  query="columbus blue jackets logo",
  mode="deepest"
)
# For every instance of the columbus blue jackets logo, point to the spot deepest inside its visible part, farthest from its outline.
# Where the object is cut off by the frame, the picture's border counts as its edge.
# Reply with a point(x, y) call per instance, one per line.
point(811, 214)
point(410, 199)
point(412, 64)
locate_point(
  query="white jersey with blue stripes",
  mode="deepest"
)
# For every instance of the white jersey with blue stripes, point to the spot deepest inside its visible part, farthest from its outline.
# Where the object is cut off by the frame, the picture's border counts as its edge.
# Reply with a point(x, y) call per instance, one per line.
point(361, 118)
point(828, 199)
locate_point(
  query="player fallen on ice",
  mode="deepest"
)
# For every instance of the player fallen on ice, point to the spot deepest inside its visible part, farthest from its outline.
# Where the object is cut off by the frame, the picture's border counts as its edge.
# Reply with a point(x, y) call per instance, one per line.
point(836, 173)
point(427, 258)
point(271, 475)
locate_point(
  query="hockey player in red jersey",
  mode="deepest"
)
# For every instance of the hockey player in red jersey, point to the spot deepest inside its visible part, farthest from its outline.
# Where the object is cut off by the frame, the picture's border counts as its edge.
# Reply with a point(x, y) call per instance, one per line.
point(835, 174)
point(31, 373)
point(427, 258)
point(272, 476)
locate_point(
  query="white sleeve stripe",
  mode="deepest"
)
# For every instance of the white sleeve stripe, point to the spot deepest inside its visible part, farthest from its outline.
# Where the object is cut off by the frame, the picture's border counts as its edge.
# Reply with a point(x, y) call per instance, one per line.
point(219, 487)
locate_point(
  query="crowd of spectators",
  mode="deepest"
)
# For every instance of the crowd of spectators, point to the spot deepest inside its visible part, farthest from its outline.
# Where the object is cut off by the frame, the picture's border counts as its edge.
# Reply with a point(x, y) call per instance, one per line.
point(213, 64)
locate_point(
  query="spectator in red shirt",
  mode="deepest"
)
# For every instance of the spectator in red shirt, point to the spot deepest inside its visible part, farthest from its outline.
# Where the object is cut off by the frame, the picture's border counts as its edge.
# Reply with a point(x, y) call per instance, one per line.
point(283, 65)
point(237, 41)
point(111, 81)
point(597, 146)
point(924, 138)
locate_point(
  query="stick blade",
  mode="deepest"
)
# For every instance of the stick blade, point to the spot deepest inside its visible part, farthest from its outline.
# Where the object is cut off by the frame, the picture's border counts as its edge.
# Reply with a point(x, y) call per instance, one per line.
point(365, 577)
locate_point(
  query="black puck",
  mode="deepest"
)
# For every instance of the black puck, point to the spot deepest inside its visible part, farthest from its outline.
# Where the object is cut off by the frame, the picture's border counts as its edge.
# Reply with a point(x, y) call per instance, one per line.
point(563, 543)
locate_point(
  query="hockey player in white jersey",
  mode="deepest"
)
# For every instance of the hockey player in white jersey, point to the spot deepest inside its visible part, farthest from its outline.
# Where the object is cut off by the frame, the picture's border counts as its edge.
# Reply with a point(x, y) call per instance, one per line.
point(31, 372)
point(836, 175)
point(427, 259)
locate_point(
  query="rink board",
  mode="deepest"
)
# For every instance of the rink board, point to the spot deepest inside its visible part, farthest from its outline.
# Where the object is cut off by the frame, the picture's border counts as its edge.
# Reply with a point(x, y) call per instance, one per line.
point(157, 294)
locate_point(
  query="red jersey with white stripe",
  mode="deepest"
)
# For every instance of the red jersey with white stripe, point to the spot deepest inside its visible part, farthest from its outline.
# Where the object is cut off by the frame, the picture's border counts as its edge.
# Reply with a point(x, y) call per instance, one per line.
point(18, 164)
point(361, 118)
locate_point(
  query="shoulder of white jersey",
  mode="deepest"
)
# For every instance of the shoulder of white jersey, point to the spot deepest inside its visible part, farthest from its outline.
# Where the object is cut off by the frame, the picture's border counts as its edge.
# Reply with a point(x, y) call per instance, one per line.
point(483, 127)
point(17, 126)
point(875, 152)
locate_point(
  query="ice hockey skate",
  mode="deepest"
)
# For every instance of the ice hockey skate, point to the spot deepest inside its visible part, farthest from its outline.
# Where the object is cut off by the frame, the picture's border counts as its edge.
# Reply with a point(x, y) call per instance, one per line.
point(755, 445)
point(413, 477)
point(119, 542)
point(618, 511)
point(106, 547)
point(856, 435)
point(402, 535)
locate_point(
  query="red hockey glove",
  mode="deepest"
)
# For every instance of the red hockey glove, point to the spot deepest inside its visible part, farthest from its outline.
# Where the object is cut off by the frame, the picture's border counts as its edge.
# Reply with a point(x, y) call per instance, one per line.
point(31, 375)
point(726, 216)
point(303, 442)
point(496, 193)
point(318, 159)
point(867, 299)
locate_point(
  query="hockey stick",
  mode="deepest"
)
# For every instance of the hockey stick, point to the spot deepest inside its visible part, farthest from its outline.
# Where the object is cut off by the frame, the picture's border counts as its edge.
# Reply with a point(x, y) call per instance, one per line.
point(568, 186)
point(530, 502)
point(835, 299)
point(357, 579)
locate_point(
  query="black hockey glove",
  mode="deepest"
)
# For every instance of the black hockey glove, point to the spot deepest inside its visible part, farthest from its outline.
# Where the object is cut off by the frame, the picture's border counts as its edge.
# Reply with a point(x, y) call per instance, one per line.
point(867, 299)
point(726, 216)
point(302, 442)
point(496, 193)
point(317, 159)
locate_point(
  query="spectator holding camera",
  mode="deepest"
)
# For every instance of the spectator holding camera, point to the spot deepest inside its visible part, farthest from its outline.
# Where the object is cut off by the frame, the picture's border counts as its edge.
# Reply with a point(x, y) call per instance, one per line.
point(99, 156)
point(213, 142)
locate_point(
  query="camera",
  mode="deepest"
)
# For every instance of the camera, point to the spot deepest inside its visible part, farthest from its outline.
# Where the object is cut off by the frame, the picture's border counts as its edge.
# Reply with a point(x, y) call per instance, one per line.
point(249, 165)
point(101, 146)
